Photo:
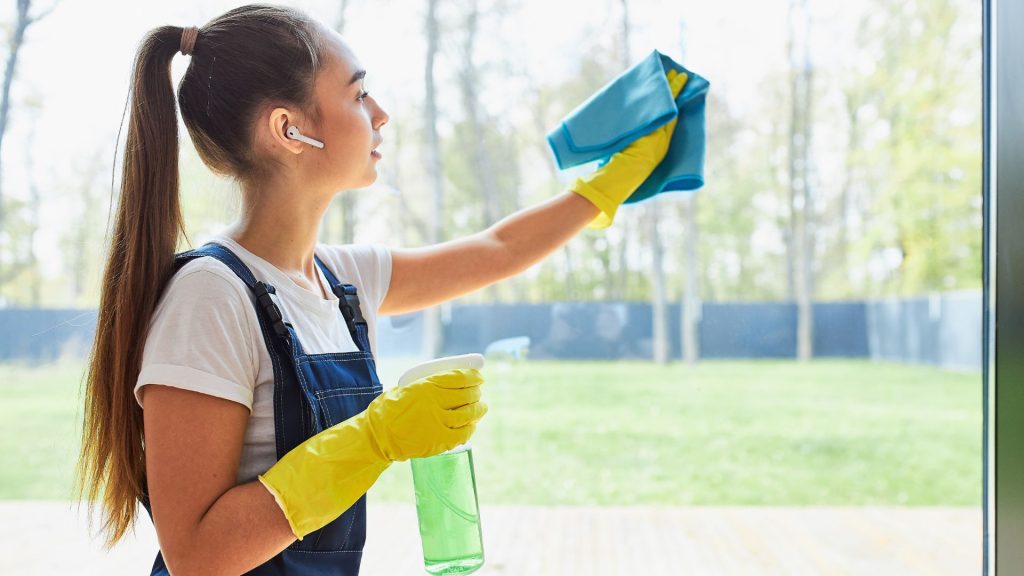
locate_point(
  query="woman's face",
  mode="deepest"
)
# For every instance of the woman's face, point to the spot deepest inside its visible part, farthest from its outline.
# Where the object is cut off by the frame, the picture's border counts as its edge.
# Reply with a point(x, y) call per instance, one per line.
point(351, 120)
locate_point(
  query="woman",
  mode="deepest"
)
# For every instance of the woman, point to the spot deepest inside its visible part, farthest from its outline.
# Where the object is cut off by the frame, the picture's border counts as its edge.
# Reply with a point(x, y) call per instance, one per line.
point(265, 422)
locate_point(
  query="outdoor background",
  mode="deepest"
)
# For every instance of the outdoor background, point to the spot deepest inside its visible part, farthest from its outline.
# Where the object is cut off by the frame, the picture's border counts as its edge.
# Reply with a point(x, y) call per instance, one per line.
point(804, 331)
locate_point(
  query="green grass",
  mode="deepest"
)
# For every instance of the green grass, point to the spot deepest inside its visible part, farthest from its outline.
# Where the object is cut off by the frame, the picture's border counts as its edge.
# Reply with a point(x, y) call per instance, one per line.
point(622, 433)
point(40, 426)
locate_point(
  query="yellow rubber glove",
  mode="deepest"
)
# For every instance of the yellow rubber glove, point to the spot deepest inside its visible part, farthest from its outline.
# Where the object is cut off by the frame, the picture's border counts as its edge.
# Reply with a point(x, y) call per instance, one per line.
point(610, 185)
point(319, 479)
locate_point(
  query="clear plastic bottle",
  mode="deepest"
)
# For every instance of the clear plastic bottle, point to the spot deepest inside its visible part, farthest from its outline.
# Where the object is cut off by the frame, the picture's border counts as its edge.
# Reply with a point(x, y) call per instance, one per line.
point(446, 498)
point(449, 512)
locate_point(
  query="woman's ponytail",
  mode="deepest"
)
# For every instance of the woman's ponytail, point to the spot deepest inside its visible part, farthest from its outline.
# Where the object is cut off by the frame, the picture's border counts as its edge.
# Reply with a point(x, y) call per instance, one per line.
point(139, 263)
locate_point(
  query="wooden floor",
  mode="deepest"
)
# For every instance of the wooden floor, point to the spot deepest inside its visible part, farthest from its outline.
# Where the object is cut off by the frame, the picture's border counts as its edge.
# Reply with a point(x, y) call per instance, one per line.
point(51, 538)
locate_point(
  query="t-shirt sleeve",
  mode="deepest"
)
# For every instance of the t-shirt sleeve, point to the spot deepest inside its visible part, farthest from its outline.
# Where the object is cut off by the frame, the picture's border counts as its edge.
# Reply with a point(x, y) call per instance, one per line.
point(373, 263)
point(381, 268)
point(202, 338)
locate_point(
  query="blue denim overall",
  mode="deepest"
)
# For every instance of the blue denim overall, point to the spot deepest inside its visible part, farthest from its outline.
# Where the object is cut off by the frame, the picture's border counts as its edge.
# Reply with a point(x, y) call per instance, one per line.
point(312, 392)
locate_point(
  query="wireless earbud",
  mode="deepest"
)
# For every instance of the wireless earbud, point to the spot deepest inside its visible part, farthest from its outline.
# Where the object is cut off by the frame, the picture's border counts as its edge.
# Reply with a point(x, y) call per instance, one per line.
point(294, 134)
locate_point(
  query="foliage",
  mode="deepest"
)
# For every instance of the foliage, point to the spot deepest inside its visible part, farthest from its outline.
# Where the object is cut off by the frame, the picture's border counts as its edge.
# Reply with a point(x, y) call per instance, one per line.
point(899, 213)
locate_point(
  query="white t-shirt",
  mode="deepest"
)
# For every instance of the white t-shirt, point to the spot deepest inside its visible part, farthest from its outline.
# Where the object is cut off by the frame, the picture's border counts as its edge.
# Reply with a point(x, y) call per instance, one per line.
point(204, 334)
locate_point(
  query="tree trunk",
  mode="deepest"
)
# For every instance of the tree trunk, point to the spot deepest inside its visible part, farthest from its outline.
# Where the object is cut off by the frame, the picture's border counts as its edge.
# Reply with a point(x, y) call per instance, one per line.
point(689, 333)
point(17, 39)
point(483, 164)
point(483, 170)
point(432, 327)
point(801, 206)
point(570, 289)
point(846, 194)
point(35, 286)
point(690, 307)
point(620, 251)
point(659, 308)
point(347, 198)
point(90, 206)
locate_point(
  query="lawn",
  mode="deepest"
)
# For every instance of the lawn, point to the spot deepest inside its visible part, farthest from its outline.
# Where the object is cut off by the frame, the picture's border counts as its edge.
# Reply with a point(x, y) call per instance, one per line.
point(624, 433)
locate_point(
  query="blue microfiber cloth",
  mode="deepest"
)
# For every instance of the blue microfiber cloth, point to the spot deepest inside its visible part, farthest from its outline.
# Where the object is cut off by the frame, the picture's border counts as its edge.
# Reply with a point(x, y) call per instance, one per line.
point(630, 106)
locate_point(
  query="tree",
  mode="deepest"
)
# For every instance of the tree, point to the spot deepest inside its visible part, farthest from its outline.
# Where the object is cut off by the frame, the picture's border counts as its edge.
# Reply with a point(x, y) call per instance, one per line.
point(584, 269)
point(689, 336)
point(801, 236)
point(481, 161)
point(917, 163)
point(79, 241)
point(34, 206)
point(433, 341)
point(15, 42)
point(347, 199)
point(659, 309)
point(690, 301)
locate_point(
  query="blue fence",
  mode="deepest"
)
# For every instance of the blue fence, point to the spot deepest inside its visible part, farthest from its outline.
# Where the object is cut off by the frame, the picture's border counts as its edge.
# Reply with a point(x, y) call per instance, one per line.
point(943, 330)
point(44, 335)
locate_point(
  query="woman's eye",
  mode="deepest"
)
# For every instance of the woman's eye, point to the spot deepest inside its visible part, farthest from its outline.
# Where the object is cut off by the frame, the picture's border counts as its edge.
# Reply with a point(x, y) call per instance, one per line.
point(363, 95)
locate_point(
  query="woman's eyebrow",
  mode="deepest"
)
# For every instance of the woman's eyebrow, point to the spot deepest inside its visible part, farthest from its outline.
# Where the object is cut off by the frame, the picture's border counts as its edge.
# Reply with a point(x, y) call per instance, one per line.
point(357, 76)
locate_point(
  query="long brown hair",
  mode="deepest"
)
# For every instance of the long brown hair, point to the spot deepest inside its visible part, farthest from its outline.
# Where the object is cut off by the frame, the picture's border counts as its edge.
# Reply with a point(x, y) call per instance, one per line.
point(243, 60)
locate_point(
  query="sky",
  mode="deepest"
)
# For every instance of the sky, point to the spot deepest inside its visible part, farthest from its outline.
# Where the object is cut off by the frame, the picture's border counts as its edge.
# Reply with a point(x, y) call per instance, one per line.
point(77, 63)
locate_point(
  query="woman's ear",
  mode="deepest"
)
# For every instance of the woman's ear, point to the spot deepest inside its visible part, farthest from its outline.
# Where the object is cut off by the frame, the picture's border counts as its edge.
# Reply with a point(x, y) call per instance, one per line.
point(276, 127)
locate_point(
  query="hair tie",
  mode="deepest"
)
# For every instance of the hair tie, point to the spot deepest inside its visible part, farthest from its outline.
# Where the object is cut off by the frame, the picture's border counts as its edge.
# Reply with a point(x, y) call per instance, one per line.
point(188, 39)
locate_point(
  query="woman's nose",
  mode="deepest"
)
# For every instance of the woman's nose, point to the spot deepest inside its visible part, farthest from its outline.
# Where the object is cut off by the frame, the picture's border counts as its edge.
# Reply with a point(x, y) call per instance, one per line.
point(380, 117)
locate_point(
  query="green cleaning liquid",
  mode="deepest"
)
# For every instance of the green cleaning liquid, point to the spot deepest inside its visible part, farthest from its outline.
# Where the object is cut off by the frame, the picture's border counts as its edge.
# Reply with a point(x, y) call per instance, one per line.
point(448, 511)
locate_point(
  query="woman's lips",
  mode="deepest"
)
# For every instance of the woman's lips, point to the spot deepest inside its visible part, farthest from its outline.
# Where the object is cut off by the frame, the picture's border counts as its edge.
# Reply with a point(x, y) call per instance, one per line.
point(375, 154)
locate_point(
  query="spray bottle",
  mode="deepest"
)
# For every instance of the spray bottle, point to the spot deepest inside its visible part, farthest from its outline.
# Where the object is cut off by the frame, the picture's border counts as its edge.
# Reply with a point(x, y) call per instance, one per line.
point(445, 485)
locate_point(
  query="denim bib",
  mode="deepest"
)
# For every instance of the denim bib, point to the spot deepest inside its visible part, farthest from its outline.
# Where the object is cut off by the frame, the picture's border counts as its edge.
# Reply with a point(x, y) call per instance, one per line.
point(312, 392)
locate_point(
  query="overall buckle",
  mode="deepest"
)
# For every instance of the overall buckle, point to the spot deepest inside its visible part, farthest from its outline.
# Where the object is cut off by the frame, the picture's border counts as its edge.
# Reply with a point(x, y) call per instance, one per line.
point(267, 297)
point(349, 303)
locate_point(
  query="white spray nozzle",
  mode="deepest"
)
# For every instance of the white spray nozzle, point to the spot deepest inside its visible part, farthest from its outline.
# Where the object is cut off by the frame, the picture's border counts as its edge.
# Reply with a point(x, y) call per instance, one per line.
point(436, 365)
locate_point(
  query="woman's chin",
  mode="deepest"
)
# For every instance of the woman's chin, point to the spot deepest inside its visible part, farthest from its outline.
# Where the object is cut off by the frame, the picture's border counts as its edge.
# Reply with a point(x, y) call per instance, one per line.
point(369, 179)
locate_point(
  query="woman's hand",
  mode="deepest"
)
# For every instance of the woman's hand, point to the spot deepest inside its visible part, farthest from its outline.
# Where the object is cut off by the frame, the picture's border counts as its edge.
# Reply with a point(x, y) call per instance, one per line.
point(610, 185)
point(320, 478)
point(427, 416)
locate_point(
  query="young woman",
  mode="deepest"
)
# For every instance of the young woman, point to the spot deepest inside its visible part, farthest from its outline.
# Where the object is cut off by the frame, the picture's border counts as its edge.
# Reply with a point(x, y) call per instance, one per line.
point(265, 422)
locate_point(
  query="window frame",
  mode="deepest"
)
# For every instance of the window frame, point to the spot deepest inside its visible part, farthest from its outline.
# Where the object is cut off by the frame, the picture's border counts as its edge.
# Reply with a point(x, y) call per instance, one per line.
point(1003, 252)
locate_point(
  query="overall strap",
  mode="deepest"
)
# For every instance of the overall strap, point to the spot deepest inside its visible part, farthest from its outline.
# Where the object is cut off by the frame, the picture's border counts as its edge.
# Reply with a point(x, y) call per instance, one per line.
point(266, 294)
point(279, 338)
point(348, 301)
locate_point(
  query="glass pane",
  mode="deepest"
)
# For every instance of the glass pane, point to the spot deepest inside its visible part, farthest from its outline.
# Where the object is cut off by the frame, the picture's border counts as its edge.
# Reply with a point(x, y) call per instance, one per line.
point(776, 373)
